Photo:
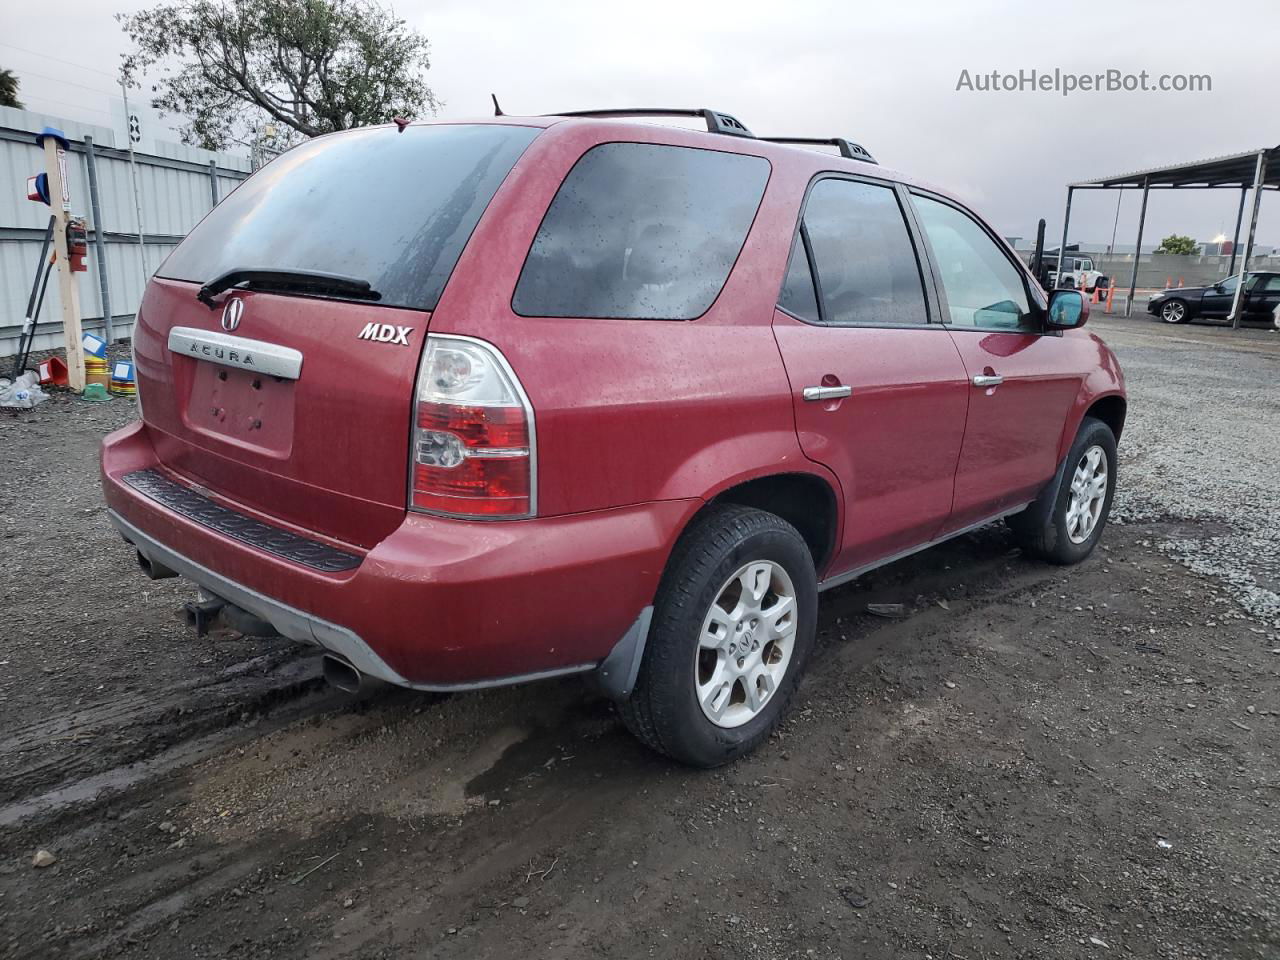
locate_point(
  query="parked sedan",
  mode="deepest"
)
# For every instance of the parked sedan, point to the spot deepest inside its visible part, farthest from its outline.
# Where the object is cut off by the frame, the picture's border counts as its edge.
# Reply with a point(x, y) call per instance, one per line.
point(1180, 304)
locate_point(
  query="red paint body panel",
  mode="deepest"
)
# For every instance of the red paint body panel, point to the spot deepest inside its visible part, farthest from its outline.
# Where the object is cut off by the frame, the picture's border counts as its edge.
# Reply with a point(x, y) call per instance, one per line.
point(638, 422)
point(447, 601)
point(331, 454)
point(1011, 436)
point(894, 442)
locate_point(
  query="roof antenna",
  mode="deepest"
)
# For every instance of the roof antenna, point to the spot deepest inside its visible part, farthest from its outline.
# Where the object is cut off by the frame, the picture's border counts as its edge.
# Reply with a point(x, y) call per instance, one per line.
point(401, 123)
point(497, 110)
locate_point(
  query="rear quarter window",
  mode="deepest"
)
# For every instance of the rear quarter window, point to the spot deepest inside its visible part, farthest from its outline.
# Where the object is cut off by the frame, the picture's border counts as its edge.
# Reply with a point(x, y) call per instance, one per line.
point(641, 231)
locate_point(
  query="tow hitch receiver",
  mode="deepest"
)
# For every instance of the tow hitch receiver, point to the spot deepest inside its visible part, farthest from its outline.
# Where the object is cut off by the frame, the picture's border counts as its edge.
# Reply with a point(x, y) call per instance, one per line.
point(202, 614)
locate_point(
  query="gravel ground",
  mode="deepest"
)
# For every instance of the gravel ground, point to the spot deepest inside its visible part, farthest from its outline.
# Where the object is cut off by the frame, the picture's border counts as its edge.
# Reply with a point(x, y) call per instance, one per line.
point(1204, 447)
point(1034, 762)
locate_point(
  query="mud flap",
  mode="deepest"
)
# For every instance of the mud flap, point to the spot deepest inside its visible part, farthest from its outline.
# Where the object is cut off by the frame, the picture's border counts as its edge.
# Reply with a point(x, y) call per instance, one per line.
point(616, 675)
point(1040, 509)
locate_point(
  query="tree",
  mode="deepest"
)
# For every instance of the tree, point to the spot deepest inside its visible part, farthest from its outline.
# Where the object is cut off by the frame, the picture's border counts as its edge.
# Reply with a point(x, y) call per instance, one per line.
point(9, 84)
point(307, 66)
point(1179, 245)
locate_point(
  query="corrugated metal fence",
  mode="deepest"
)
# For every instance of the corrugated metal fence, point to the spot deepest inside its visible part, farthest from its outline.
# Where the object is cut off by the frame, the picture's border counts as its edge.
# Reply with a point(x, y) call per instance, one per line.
point(176, 186)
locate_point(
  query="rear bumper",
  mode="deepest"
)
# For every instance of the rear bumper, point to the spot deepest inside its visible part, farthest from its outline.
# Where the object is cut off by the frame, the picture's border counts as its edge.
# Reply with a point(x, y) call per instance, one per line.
point(439, 604)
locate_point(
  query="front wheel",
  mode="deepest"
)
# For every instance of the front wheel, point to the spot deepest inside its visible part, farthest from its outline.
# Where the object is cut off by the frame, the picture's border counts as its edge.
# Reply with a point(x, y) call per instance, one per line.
point(1174, 311)
point(733, 626)
point(1066, 523)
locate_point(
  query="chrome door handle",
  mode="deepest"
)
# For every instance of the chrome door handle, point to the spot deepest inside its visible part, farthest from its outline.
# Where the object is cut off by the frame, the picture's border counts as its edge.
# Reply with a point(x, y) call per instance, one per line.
point(982, 380)
point(826, 393)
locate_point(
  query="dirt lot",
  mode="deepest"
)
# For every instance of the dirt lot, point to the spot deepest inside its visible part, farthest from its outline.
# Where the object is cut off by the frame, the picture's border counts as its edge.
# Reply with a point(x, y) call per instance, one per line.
point(1035, 763)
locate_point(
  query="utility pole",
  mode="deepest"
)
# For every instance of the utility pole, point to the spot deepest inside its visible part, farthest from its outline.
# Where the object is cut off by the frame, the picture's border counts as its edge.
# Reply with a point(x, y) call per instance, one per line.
point(55, 164)
point(133, 172)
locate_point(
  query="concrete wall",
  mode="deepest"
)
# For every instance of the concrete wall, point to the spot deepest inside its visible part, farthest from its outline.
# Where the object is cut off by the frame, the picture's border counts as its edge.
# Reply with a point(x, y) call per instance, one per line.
point(1154, 270)
point(175, 188)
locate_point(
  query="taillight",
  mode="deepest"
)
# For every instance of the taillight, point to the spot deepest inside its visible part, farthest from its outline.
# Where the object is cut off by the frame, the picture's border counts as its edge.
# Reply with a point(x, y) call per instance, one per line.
point(473, 440)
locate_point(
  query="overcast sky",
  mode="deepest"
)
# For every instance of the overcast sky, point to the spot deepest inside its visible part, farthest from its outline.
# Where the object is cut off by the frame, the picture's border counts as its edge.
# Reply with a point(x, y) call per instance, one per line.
point(883, 74)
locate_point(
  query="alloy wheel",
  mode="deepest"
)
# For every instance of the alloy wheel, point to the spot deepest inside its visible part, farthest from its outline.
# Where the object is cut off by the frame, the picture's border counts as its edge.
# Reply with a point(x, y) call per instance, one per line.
point(1173, 312)
point(746, 643)
point(1088, 493)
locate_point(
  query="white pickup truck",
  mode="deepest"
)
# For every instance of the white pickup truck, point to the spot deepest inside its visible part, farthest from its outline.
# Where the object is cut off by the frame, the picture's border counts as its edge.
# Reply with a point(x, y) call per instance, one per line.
point(1077, 273)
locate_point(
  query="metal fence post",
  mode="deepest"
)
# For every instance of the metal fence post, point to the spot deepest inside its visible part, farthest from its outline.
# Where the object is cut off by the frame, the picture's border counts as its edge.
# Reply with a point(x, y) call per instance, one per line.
point(213, 181)
point(99, 243)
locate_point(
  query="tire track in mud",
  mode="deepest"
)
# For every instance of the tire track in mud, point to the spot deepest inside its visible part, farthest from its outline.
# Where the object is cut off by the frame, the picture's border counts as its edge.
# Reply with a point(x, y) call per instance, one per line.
point(73, 757)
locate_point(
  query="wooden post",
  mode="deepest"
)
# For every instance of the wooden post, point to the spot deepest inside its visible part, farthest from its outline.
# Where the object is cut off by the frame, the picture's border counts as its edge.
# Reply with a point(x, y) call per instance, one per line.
point(55, 165)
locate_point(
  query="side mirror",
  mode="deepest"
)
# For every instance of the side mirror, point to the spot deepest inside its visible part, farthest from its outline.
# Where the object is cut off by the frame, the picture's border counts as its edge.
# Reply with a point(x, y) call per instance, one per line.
point(1068, 309)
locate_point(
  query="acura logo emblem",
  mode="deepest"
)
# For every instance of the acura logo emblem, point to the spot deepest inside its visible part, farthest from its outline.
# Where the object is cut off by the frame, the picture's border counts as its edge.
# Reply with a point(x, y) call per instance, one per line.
point(232, 313)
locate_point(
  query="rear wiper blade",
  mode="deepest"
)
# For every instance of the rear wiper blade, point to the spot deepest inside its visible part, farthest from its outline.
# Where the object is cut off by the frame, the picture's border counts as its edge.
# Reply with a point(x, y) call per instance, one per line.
point(309, 280)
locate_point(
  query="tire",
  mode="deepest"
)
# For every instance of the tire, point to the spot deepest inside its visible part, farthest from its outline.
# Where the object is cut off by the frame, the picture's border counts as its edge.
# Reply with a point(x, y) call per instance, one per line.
point(1175, 311)
point(1069, 283)
point(1049, 529)
point(665, 711)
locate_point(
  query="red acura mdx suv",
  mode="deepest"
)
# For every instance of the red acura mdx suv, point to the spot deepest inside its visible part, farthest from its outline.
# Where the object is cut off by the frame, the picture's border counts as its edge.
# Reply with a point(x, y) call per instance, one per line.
point(469, 404)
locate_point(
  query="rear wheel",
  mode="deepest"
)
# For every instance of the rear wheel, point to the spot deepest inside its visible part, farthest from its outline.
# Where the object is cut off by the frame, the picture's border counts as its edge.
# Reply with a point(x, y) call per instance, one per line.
point(733, 627)
point(1174, 311)
point(1066, 524)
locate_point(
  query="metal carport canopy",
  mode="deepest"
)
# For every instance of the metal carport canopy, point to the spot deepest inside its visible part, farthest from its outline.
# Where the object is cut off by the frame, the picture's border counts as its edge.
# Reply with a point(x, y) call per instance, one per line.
point(1259, 169)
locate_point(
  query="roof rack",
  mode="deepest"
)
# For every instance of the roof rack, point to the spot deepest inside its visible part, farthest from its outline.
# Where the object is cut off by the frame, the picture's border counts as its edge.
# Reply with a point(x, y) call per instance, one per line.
point(717, 122)
point(848, 149)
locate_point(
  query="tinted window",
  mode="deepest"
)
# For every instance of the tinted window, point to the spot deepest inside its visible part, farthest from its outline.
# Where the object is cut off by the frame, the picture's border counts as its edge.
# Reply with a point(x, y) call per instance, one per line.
point(798, 297)
point(984, 289)
point(1272, 283)
point(641, 231)
point(391, 208)
point(867, 268)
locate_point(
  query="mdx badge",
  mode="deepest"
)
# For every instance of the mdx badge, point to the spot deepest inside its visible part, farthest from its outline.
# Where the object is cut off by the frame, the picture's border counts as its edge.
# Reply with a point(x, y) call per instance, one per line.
point(232, 313)
point(385, 333)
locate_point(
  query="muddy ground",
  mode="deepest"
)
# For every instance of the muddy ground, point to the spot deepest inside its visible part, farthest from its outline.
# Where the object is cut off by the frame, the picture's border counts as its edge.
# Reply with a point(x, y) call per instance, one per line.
point(1035, 762)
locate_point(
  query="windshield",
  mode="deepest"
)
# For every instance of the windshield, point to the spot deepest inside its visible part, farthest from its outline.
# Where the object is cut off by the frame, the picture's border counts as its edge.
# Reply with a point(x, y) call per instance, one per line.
point(391, 209)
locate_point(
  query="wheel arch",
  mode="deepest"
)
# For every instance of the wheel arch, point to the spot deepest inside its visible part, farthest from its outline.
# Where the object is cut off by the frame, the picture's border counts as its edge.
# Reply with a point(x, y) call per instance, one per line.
point(1111, 410)
point(805, 499)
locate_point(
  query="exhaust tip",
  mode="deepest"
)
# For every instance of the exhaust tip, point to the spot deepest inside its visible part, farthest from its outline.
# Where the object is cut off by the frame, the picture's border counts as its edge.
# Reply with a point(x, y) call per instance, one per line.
point(342, 675)
point(153, 570)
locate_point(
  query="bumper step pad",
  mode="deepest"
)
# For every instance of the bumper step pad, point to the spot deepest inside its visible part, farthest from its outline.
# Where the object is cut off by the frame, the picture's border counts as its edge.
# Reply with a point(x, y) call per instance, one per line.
point(230, 523)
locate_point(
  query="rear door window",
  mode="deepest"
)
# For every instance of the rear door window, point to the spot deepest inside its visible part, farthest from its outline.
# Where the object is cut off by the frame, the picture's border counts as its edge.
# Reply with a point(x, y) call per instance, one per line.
point(799, 297)
point(393, 208)
point(641, 231)
point(868, 273)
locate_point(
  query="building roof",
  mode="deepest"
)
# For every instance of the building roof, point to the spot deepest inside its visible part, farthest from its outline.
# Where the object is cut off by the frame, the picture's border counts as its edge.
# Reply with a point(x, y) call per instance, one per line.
point(1233, 170)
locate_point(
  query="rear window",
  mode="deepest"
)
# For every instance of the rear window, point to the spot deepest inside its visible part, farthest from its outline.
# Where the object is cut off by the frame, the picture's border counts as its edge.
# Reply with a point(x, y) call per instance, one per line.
point(641, 231)
point(391, 208)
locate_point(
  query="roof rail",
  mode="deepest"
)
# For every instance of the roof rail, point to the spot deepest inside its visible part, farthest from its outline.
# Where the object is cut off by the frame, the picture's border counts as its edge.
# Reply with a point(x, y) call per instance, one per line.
point(848, 149)
point(717, 122)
